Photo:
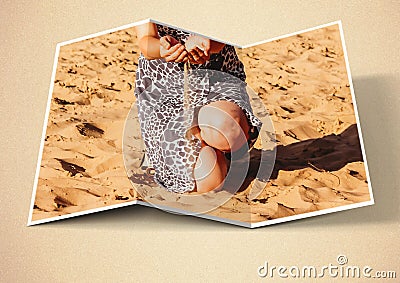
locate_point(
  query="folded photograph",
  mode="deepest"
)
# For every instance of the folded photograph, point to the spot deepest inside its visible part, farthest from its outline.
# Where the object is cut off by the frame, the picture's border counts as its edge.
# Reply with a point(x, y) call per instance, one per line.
point(160, 116)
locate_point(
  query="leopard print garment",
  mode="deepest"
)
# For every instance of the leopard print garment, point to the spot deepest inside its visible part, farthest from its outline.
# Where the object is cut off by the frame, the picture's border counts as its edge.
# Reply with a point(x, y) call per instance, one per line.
point(163, 119)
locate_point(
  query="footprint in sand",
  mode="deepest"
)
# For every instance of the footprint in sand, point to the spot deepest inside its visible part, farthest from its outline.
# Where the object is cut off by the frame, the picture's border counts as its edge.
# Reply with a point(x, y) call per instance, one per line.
point(90, 130)
point(72, 168)
point(308, 194)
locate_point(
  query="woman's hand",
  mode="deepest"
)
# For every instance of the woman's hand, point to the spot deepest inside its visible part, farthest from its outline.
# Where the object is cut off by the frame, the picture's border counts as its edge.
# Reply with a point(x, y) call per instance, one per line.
point(171, 50)
point(154, 47)
point(198, 49)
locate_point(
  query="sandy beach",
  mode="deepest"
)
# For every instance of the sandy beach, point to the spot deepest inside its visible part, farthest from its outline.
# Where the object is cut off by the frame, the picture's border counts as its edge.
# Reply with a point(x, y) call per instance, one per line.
point(302, 82)
point(82, 165)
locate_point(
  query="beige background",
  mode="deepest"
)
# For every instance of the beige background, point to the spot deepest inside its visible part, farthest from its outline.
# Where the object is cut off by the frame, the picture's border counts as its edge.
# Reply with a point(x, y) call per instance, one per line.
point(139, 243)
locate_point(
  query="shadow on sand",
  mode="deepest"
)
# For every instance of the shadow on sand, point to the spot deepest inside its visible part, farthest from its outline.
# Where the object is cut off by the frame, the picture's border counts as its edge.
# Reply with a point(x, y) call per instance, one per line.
point(329, 153)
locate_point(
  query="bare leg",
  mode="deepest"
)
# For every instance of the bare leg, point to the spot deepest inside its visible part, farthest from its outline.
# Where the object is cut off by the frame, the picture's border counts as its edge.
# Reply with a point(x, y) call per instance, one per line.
point(210, 170)
point(223, 125)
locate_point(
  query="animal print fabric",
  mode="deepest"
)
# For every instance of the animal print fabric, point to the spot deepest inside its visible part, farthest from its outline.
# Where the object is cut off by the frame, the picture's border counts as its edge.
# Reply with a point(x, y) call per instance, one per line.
point(164, 120)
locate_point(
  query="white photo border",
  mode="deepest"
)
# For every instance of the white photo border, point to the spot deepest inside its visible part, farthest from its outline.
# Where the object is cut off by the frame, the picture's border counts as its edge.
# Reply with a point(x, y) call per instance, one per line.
point(210, 217)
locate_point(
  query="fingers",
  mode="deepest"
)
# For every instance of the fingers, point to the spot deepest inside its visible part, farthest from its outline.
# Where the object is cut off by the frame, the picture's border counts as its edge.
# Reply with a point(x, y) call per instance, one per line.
point(171, 51)
point(198, 60)
point(182, 57)
point(172, 40)
point(205, 46)
point(175, 52)
point(197, 56)
point(200, 43)
point(164, 42)
point(202, 53)
point(168, 41)
point(205, 52)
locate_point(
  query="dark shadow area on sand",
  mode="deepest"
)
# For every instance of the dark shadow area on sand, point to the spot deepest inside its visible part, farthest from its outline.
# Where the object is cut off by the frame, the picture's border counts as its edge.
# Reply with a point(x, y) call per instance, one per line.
point(329, 153)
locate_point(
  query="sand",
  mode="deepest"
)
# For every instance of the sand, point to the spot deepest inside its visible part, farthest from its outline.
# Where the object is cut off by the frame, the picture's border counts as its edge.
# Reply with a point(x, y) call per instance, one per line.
point(301, 81)
point(93, 92)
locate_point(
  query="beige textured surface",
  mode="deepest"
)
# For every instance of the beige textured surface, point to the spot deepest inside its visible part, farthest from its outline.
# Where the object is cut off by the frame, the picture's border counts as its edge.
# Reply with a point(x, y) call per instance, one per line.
point(137, 243)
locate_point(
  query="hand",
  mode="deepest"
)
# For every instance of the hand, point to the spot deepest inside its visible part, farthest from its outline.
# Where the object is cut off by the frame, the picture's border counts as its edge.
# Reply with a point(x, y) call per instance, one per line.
point(198, 49)
point(171, 50)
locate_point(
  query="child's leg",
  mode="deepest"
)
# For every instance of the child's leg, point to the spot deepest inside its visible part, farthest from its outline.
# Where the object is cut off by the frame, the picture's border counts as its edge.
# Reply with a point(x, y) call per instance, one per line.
point(223, 125)
point(210, 170)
